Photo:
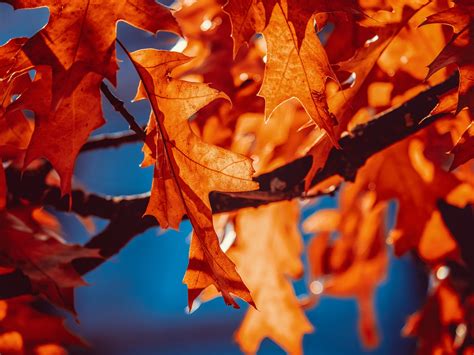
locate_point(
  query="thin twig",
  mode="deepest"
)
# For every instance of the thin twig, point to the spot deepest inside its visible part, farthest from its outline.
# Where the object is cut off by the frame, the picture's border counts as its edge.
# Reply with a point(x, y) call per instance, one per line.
point(110, 140)
point(119, 106)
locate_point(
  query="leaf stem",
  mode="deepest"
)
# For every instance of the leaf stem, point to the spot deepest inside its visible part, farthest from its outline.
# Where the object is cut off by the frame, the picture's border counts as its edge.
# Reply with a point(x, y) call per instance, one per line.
point(119, 106)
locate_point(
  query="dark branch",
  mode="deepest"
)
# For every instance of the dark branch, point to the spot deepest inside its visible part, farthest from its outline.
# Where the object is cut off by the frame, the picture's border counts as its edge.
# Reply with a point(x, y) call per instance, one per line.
point(119, 106)
point(110, 140)
point(365, 140)
point(287, 182)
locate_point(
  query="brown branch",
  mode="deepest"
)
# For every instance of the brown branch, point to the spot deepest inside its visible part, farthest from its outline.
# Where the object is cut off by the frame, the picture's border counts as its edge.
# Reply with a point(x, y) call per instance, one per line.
point(110, 140)
point(30, 186)
point(280, 184)
point(119, 106)
point(365, 140)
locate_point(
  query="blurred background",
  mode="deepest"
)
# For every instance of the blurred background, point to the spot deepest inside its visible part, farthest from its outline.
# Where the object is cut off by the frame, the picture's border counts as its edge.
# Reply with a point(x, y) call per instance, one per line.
point(136, 303)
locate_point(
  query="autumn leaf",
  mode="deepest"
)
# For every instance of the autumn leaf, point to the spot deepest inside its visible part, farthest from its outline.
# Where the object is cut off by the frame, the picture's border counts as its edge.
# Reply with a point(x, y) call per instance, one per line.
point(293, 71)
point(61, 129)
point(354, 263)
point(41, 255)
point(187, 170)
point(383, 28)
point(414, 47)
point(248, 18)
point(311, 73)
point(12, 56)
point(210, 47)
point(24, 329)
point(15, 130)
point(252, 16)
point(417, 183)
point(431, 324)
point(374, 36)
point(78, 44)
point(266, 263)
point(459, 49)
point(297, 65)
point(83, 33)
point(464, 148)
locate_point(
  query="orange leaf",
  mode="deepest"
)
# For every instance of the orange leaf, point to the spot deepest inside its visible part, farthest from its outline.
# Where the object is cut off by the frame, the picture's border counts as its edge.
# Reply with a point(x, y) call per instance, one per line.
point(343, 103)
point(84, 32)
point(252, 16)
point(13, 59)
point(78, 46)
point(464, 148)
point(15, 130)
point(24, 329)
point(355, 263)
point(432, 324)
point(42, 256)
point(62, 128)
point(187, 170)
point(266, 263)
point(404, 172)
point(459, 49)
point(248, 17)
point(293, 71)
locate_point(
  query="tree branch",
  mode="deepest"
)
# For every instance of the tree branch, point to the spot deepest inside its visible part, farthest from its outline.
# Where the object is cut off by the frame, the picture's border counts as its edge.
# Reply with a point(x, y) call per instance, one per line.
point(284, 183)
point(365, 140)
point(110, 140)
point(119, 106)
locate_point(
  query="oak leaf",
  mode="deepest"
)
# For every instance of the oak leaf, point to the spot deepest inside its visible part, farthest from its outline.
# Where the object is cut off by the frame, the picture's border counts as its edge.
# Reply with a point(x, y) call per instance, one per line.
point(12, 56)
point(464, 148)
point(248, 18)
point(459, 49)
point(84, 32)
point(252, 16)
point(417, 183)
point(78, 44)
point(443, 310)
point(296, 71)
point(297, 65)
point(267, 263)
point(15, 129)
point(344, 103)
point(41, 254)
point(187, 170)
point(24, 329)
point(61, 128)
point(354, 263)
